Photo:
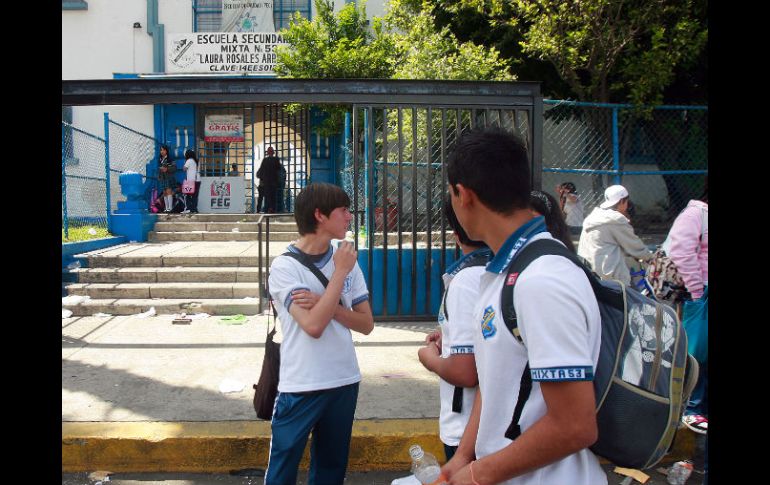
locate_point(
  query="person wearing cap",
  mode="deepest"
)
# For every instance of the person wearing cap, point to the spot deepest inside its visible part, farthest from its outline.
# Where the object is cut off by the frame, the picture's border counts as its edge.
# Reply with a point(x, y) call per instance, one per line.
point(608, 239)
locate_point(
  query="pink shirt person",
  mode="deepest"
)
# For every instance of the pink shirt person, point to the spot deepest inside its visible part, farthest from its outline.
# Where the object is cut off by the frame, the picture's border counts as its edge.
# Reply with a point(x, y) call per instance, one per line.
point(689, 246)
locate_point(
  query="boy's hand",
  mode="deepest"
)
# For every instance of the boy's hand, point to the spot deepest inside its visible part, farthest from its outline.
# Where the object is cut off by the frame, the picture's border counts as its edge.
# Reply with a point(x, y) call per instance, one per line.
point(345, 257)
point(305, 299)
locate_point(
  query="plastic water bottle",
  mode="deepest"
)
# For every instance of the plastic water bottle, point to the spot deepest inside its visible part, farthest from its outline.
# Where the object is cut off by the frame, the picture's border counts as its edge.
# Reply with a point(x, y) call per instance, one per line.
point(425, 466)
point(679, 473)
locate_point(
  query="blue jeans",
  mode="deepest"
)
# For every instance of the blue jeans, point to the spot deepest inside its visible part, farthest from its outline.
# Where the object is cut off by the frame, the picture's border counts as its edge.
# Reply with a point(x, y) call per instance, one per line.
point(329, 415)
point(699, 399)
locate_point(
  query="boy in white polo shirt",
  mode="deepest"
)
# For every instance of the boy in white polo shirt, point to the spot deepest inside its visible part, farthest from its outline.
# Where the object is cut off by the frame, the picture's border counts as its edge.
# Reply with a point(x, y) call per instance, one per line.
point(449, 353)
point(319, 374)
point(558, 321)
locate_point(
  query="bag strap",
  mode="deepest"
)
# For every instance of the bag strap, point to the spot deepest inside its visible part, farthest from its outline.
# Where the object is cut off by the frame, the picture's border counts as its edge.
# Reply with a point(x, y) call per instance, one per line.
point(522, 260)
point(305, 261)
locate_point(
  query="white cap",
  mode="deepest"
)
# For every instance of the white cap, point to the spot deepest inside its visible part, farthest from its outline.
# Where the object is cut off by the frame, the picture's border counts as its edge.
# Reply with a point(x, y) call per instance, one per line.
point(613, 195)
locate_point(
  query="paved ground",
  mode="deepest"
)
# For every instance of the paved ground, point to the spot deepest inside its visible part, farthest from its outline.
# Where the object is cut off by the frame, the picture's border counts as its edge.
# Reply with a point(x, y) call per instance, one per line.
point(254, 477)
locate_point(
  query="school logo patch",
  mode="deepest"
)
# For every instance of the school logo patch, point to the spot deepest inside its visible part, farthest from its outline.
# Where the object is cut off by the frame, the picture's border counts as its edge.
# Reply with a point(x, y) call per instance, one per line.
point(512, 279)
point(488, 328)
point(347, 284)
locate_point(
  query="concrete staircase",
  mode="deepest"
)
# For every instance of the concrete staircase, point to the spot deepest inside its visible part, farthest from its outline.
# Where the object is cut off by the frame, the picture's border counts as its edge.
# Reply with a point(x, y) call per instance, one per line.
point(191, 263)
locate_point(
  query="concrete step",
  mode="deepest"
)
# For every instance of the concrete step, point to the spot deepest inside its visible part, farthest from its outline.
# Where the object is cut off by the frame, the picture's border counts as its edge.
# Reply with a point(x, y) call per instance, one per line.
point(187, 226)
point(181, 253)
point(155, 236)
point(163, 275)
point(209, 217)
point(163, 290)
point(167, 306)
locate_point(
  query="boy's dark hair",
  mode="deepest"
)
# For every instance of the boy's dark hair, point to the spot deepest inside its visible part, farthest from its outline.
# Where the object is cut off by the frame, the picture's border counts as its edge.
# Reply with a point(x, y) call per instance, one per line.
point(495, 165)
point(454, 224)
point(319, 195)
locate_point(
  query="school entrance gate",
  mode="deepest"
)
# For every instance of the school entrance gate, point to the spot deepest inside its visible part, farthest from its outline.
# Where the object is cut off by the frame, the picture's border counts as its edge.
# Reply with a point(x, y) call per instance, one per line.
point(390, 156)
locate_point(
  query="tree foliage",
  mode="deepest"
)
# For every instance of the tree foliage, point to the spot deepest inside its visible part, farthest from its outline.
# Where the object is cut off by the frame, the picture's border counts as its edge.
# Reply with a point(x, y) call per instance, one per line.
point(605, 50)
point(405, 44)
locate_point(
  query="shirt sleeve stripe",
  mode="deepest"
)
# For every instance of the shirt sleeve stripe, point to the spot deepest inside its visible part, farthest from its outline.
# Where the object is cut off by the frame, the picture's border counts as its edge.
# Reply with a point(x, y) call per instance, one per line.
point(461, 349)
point(563, 374)
point(361, 298)
point(287, 303)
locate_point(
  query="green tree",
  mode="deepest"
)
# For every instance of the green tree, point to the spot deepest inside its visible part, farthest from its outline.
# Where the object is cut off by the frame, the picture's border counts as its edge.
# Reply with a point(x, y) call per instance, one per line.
point(604, 50)
point(405, 44)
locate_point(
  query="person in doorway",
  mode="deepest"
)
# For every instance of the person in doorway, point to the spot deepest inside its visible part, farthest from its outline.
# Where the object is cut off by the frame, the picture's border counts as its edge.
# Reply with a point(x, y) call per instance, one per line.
point(234, 170)
point(268, 175)
point(192, 176)
point(166, 171)
point(571, 206)
point(608, 239)
point(559, 331)
point(319, 374)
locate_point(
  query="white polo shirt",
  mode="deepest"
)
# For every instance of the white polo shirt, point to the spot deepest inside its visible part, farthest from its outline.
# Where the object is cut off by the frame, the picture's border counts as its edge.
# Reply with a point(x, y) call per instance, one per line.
point(558, 317)
point(457, 337)
point(307, 363)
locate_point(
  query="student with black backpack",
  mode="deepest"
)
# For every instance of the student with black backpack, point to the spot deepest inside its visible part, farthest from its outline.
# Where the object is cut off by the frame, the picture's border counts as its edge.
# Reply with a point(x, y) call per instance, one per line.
point(558, 323)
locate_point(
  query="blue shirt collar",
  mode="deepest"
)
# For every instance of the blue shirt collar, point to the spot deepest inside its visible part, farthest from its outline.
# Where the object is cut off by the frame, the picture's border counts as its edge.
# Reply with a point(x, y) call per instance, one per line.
point(322, 262)
point(478, 252)
point(515, 241)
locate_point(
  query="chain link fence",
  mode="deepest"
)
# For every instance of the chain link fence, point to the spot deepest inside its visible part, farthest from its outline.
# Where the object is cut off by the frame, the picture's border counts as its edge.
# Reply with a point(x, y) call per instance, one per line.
point(660, 155)
point(84, 184)
point(130, 151)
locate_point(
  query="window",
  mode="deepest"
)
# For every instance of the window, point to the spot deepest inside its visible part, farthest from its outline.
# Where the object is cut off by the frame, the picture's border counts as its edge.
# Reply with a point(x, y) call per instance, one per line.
point(207, 14)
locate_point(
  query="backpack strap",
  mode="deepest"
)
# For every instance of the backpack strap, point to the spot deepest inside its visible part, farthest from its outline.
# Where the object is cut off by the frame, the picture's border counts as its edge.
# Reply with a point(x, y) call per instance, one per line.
point(312, 267)
point(528, 254)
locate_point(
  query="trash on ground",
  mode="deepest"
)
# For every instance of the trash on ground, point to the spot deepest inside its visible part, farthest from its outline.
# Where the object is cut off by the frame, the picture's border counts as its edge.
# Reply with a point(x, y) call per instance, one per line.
point(102, 314)
point(66, 313)
point(74, 299)
point(198, 316)
point(637, 475)
point(92, 231)
point(230, 385)
point(233, 320)
point(148, 313)
point(100, 476)
point(74, 265)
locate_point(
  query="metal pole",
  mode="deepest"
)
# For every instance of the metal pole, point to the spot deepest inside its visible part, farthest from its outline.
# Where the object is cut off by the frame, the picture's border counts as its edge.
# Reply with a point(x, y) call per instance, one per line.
point(64, 183)
point(615, 146)
point(261, 262)
point(366, 177)
point(107, 168)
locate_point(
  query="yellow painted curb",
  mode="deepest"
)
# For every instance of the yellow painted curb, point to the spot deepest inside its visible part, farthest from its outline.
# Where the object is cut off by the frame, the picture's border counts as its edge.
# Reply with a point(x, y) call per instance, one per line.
point(219, 447)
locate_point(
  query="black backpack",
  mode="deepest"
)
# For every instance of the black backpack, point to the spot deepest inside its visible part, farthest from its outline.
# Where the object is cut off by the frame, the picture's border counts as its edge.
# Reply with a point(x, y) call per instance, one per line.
point(637, 421)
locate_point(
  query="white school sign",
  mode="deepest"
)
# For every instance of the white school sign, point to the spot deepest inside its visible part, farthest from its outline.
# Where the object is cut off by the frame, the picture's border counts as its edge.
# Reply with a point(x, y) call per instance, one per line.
point(222, 52)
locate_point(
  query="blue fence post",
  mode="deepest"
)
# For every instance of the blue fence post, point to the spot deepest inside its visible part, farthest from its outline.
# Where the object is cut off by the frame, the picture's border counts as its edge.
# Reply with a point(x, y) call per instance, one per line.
point(366, 175)
point(64, 183)
point(615, 146)
point(107, 168)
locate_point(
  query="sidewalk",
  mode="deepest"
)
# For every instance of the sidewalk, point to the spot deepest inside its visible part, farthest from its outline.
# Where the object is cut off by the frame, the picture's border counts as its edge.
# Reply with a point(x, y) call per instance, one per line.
point(143, 395)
